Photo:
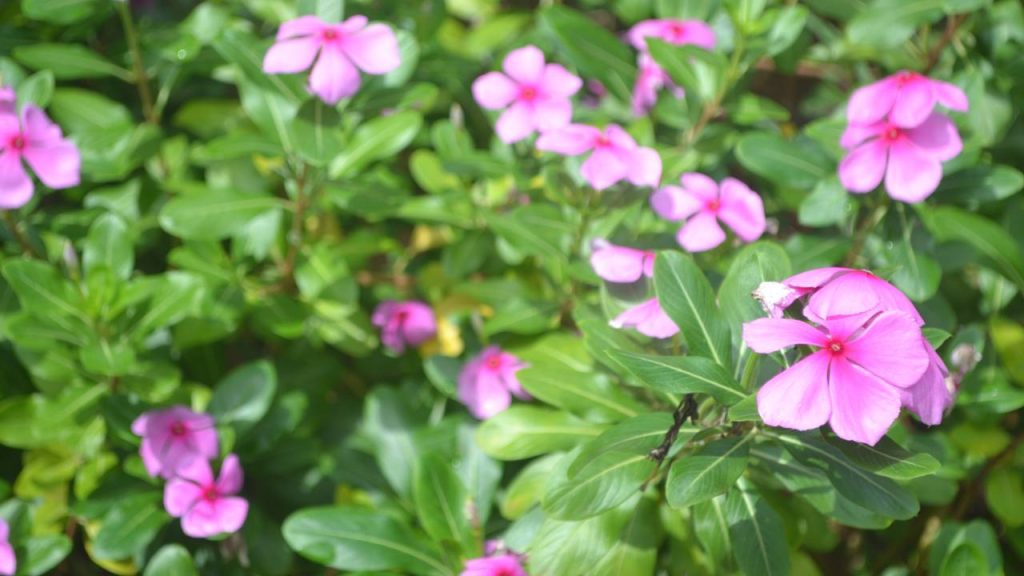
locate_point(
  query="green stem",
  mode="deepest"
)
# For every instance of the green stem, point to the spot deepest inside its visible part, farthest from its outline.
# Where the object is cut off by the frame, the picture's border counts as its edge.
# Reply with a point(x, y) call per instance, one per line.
point(138, 69)
point(865, 228)
point(19, 235)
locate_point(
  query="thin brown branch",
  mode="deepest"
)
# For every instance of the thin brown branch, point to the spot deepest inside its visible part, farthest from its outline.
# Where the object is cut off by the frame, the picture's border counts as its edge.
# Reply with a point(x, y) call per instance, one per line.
point(138, 68)
point(952, 24)
point(19, 235)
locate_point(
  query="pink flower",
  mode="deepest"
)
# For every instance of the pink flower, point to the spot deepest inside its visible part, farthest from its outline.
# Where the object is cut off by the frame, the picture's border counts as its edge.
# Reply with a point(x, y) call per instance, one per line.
point(503, 565)
point(7, 100)
point(615, 156)
point(402, 324)
point(207, 507)
point(650, 78)
point(910, 159)
point(676, 32)
point(704, 203)
point(173, 438)
point(344, 50)
point(854, 381)
point(535, 95)
point(40, 142)
point(488, 382)
point(8, 562)
point(908, 99)
point(619, 263)
point(647, 318)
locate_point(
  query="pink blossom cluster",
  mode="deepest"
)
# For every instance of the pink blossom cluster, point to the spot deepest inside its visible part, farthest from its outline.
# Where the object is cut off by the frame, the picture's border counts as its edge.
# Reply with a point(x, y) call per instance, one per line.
point(623, 265)
point(651, 77)
point(702, 204)
point(497, 561)
point(31, 138)
point(403, 324)
point(178, 445)
point(869, 356)
point(894, 134)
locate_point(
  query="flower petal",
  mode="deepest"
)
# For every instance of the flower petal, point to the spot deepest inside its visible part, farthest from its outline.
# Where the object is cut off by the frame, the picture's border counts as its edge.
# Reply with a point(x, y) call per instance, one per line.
point(557, 81)
point(8, 562)
point(572, 140)
point(871, 103)
point(937, 136)
point(798, 397)
point(863, 406)
point(700, 185)
point(486, 395)
point(848, 294)
point(854, 134)
point(618, 263)
point(15, 185)
point(333, 76)
point(915, 102)
point(552, 114)
point(420, 324)
point(231, 477)
point(675, 203)
point(929, 398)
point(767, 335)
point(373, 49)
point(198, 471)
point(647, 318)
point(494, 90)
point(603, 169)
point(301, 26)
point(515, 123)
point(863, 168)
point(912, 174)
point(642, 30)
point(525, 65)
point(742, 210)
point(291, 56)
point(701, 233)
point(231, 513)
point(892, 348)
point(180, 495)
point(950, 95)
point(201, 521)
point(644, 167)
point(58, 164)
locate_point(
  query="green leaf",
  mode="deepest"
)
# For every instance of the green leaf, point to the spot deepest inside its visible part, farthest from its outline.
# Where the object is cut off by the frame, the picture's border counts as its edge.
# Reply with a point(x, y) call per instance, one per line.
point(441, 502)
point(82, 111)
point(1004, 493)
point(328, 10)
point(755, 263)
point(687, 298)
point(991, 240)
point(596, 52)
point(782, 161)
point(536, 229)
point(828, 204)
point(711, 526)
point(708, 472)
point(967, 559)
point(589, 394)
point(695, 69)
point(526, 431)
point(566, 547)
point(979, 185)
point(888, 459)
point(884, 24)
point(682, 375)
point(129, 527)
point(69, 61)
point(173, 296)
point(789, 23)
point(377, 139)
point(109, 245)
point(37, 89)
point(244, 396)
point(60, 11)
point(758, 537)
point(360, 540)
point(43, 291)
point(213, 214)
point(39, 555)
point(171, 560)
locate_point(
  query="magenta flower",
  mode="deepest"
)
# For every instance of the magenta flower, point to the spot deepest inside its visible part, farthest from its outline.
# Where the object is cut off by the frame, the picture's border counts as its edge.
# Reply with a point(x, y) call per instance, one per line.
point(647, 318)
point(207, 507)
point(854, 381)
point(650, 78)
point(616, 156)
point(619, 263)
point(41, 144)
point(501, 565)
point(402, 324)
point(488, 382)
point(704, 203)
point(676, 32)
point(907, 98)
point(910, 159)
point(173, 438)
point(535, 96)
point(344, 49)
point(8, 562)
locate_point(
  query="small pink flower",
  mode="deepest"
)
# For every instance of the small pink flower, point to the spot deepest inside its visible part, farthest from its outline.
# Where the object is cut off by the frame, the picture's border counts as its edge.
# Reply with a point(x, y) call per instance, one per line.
point(854, 381)
point(535, 96)
point(173, 438)
point(402, 324)
point(619, 263)
point(704, 203)
point(615, 156)
point(207, 507)
point(8, 562)
point(908, 98)
point(647, 318)
point(910, 159)
point(8, 100)
point(676, 32)
point(344, 50)
point(650, 78)
point(40, 142)
point(488, 382)
point(503, 565)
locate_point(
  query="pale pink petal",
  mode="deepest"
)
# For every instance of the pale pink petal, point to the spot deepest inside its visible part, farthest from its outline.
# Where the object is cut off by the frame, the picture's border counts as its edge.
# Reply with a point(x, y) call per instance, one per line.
point(504, 565)
point(700, 185)
point(383, 312)
point(420, 324)
point(871, 103)
point(699, 34)
point(742, 210)
point(890, 347)
point(515, 123)
point(937, 136)
point(301, 26)
point(950, 95)
point(854, 134)
point(525, 65)
point(139, 425)
point(863, 168)
point(15, 185)
point(180, 496)
point(640, 31)
point(930, 397)
point(58, 164)
point(333, 76)
point(618, 263)
point(202, 520)
point(197, 471)
point(848, 294)
point(8, 562)
point(644, 167)
point(231, 513)
point(489, 395)
point(619, 138)
point(813, 278)
point(352, 25)
point(494, 90)
point(603, 169)
point(39, 129)
point(701, 233)
point(675, 203)
point(863, 406)
point(647, 318)
point(915, 102)
point(766, 335)
point(5, 530)
point(511, 381)
point(291, 56)
point(572, 140)
point(373, 50)
point(798, 397)
point(231, 476)
point(912, 175)
point(557, 81)
point(551, 114)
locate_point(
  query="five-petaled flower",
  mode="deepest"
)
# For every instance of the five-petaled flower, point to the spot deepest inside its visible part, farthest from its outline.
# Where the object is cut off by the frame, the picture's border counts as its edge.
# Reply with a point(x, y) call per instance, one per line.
point(207, 506)
point(702, 203)
point(647, 318)
point(907, 98)
point(41, 144)
point(8, 562)
point(403, 324)
point(488, 382)
point(615, 154)
point(173, 438)
point(620, 264)
point(344, 49)
point(535, 96)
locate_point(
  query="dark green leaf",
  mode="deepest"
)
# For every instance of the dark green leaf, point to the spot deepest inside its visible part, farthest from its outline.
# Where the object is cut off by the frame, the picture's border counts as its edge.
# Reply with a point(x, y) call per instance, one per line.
point(244, 397)
point(595, 51)
point(68, 61)
point(708, 472)
point(171, 560)
point(214, 214)
point(441, 502)
point(377, 139)
point(681, 375)
point(758, 537)
point(687, 298)
point(526, 431)
point(784, 162)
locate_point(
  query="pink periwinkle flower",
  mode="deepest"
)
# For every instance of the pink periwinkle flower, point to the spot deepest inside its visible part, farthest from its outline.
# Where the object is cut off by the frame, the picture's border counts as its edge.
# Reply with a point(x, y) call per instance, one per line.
point(909, 159)
point(488, 382)
point(403, 324)
point(173, 438)
point(8, 562)
point(647, 318)
point(41, 144)
point(703, 203)
point(534, 95)
point(854, 381)
point(615, 154)
point(676, 32)
point(620, 264)
point(501, 565)
point(344, 49)
point(907, 98)
point(650, 78)
point(7, 100)
point(207, 506)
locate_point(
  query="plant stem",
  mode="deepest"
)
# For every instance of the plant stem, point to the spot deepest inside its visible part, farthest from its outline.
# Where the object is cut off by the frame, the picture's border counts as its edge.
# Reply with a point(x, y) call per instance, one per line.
point(138, 69)
point(287, 267)
point(861, 236)
point(19, 235)
point(714, 107)
point(952, 24)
